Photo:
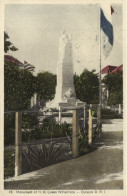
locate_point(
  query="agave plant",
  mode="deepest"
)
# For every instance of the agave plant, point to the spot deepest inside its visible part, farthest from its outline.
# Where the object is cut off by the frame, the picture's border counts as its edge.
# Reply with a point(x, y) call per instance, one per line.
point(96, 131)
point(37, 158)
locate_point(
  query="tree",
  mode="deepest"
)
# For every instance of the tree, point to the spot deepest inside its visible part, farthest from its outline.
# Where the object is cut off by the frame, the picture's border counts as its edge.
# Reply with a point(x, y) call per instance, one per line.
point(19, 86)
point(114, 83)
point(46, 83)
point(7, 44)
point(87, 86)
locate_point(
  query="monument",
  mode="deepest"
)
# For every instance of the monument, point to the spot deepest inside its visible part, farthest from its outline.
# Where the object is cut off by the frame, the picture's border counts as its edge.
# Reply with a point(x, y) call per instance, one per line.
point(65, 92)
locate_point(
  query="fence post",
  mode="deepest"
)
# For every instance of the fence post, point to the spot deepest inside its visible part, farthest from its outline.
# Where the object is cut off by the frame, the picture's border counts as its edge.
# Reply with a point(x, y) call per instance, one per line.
point(99, 119)
point(90, 127)
point(34, 99)
point(32, 102)
point(18, 143)
point(120, 109)
point(85, 117)
point(75, 134)
point(59, 115)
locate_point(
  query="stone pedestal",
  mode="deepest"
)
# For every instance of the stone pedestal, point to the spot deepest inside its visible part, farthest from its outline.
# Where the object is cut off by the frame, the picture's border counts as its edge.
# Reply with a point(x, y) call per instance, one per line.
point(65, 91)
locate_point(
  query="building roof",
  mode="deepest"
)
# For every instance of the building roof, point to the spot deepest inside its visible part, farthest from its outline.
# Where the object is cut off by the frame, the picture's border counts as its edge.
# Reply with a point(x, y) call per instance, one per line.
point(108, 69)
point(11, 59)
point(24, 65)
point(119, 69)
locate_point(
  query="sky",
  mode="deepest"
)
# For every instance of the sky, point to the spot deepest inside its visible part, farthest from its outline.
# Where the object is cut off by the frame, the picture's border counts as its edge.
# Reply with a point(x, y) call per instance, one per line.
point(36, 29)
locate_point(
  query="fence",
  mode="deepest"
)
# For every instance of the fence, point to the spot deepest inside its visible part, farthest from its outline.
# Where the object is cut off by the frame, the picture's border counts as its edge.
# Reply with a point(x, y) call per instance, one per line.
point(115, 108)
point(31, 153)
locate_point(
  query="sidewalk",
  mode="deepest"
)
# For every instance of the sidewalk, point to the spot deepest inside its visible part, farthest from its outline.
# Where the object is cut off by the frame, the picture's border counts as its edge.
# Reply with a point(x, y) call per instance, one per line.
point(100, 169)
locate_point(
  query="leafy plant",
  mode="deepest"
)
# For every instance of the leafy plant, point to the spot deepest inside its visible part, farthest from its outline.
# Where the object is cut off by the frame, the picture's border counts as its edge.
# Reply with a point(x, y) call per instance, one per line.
point(7, 44)
point(9, 163)
point(9, 128)
point(96, 131)
point(49, 129)
point(84, 146)
point(114, 83)
point(19, 87)
point(46, 83)
point(109, 114)
point(29, 121)
point(34, 159)
point(87, 86)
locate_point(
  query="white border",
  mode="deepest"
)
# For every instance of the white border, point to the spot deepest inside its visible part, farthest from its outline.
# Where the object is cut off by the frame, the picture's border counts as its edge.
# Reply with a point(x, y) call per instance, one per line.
point(2, 4)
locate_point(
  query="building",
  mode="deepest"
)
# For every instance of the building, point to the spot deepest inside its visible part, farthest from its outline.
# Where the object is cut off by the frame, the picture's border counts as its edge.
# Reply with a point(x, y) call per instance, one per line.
point(11, 59)
point(109, 69)
point(26, 66)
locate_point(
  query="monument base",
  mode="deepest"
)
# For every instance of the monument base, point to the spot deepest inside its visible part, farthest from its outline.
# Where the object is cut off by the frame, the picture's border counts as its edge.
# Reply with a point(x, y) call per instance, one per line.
point(69, 103)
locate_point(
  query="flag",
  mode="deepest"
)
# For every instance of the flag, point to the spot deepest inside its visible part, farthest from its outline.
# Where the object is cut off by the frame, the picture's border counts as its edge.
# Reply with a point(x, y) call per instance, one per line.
point(112, 10)
point(28, 66)
point(107, 29)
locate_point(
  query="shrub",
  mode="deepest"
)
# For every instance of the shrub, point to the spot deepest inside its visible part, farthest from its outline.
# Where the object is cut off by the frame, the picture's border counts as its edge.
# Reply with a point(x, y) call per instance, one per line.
point(28, 122)
point(9, 163)
point(9, 128)
point(49, 129)
point(20, 85)
point(87, 86)
point(34, 159)
point(114, 83)
point(84, 146)
point(109, 114)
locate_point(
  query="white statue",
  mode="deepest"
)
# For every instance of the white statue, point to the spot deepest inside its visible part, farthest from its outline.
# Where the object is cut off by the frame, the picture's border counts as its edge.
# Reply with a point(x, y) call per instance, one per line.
point(65, 41)
point(65, 92)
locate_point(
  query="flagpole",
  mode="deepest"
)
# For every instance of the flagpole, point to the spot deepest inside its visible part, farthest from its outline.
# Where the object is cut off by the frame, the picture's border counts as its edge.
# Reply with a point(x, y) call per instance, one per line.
point(100, 91)
point(100, 94)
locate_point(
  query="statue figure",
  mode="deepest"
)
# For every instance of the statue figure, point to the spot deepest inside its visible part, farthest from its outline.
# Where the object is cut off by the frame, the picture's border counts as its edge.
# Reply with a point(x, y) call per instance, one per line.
point(65, 91)
point(65, 41)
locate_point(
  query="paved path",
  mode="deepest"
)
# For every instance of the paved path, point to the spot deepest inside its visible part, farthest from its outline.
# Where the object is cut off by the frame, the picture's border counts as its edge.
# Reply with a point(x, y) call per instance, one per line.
point(100, 169)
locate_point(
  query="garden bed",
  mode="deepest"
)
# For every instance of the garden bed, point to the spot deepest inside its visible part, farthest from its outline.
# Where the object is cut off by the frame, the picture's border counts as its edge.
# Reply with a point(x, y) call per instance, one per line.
point(52, 151)
point(42, 153)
